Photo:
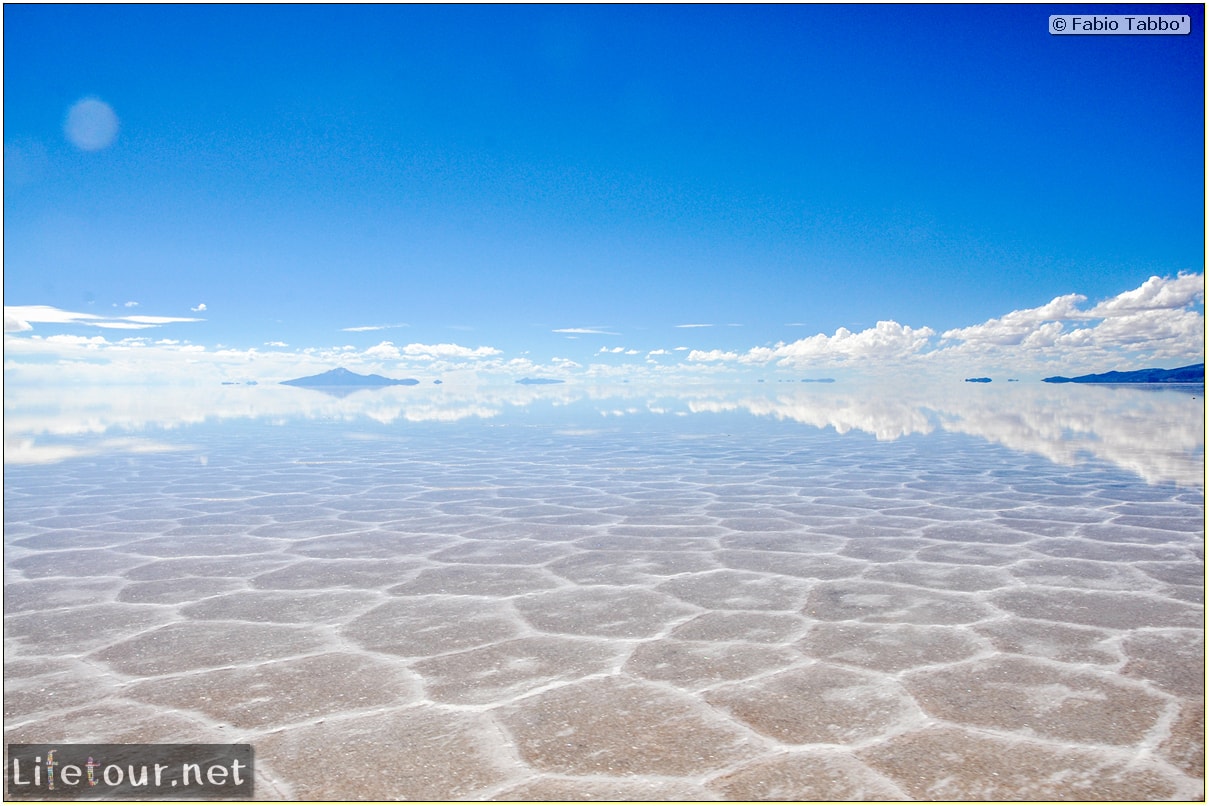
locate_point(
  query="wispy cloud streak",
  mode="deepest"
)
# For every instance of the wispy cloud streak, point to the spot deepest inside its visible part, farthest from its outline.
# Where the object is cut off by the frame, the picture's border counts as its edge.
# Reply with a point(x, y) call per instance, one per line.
point(590, 331)
point(367, 328)
point(19, 318)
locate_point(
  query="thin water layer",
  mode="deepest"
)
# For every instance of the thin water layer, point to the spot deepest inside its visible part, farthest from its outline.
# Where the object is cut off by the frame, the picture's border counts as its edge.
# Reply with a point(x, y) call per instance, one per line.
point(717, 606)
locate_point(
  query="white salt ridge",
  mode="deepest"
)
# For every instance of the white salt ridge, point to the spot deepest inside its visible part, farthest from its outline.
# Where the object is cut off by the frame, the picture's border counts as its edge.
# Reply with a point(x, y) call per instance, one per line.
point(519, 614)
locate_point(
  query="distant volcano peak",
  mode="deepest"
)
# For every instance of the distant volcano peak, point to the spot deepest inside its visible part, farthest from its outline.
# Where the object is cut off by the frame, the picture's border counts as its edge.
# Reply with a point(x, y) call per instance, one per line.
point(343, 377)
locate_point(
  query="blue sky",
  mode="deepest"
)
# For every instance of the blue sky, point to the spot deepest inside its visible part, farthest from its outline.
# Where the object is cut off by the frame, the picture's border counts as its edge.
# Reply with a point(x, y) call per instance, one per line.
point(567, 189)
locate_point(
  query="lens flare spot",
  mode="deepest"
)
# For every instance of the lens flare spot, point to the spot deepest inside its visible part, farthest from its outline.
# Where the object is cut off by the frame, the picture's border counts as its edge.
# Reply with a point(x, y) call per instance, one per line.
point(91, 124)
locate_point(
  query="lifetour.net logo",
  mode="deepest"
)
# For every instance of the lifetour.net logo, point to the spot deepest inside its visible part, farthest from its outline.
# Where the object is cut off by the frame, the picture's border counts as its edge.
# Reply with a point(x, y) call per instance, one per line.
point(129, 771)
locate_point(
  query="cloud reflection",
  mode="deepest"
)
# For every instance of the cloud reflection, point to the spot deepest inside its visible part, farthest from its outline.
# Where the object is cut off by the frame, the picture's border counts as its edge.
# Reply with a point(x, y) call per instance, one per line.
point(1157, 433)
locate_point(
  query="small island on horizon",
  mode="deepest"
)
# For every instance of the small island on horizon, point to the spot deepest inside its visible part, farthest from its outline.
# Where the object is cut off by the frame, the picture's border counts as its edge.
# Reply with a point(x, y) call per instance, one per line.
point(342, 377)
point(1193, 373)
point(532, 381)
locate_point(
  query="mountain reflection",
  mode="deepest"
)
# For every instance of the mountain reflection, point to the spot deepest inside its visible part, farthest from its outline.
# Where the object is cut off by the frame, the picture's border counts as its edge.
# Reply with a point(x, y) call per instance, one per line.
point(1155, 432)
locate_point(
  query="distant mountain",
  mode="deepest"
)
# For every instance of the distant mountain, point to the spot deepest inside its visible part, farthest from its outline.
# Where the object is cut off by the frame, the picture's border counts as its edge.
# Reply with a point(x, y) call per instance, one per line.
point(818, 380)
point(530, 381)
point(1193, 373)
point(978, 380)
point(342, 377)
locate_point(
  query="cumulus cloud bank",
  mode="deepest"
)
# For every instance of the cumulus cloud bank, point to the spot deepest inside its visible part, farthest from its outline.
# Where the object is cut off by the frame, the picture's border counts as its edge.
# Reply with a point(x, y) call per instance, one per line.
point(1157, 293)
point(887, 340)
point(1161, 322)
point(428, 352)
point(1159, 319)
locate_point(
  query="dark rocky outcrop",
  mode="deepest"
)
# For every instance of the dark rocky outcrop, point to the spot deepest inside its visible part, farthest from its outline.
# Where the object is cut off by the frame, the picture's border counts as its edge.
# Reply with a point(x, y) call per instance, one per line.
point(1193, 373)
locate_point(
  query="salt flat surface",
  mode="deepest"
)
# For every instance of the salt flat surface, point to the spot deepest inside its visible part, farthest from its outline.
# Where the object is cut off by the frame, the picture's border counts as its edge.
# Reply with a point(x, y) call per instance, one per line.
point(718, 606)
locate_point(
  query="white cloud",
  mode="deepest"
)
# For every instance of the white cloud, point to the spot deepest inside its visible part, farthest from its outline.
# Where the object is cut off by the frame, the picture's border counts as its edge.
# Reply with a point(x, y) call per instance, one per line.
point(1152, 322)
point(365, 328)
point(694, 325)
point(87, 341)
point(17, 318)
point(132, 304)
point(448, 351)
point(201, 306)
point(1155, 321)
point(1161, 333)
point(159, 320)
point(712, 355)
point(595, 331)
point(1158, 324)
point(1014, 327)
point(1157, 293)
point(426, 352)
point(14, 324)
point(384, 350)
point(888, 340)
point(122, 325)
point(44, 314)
